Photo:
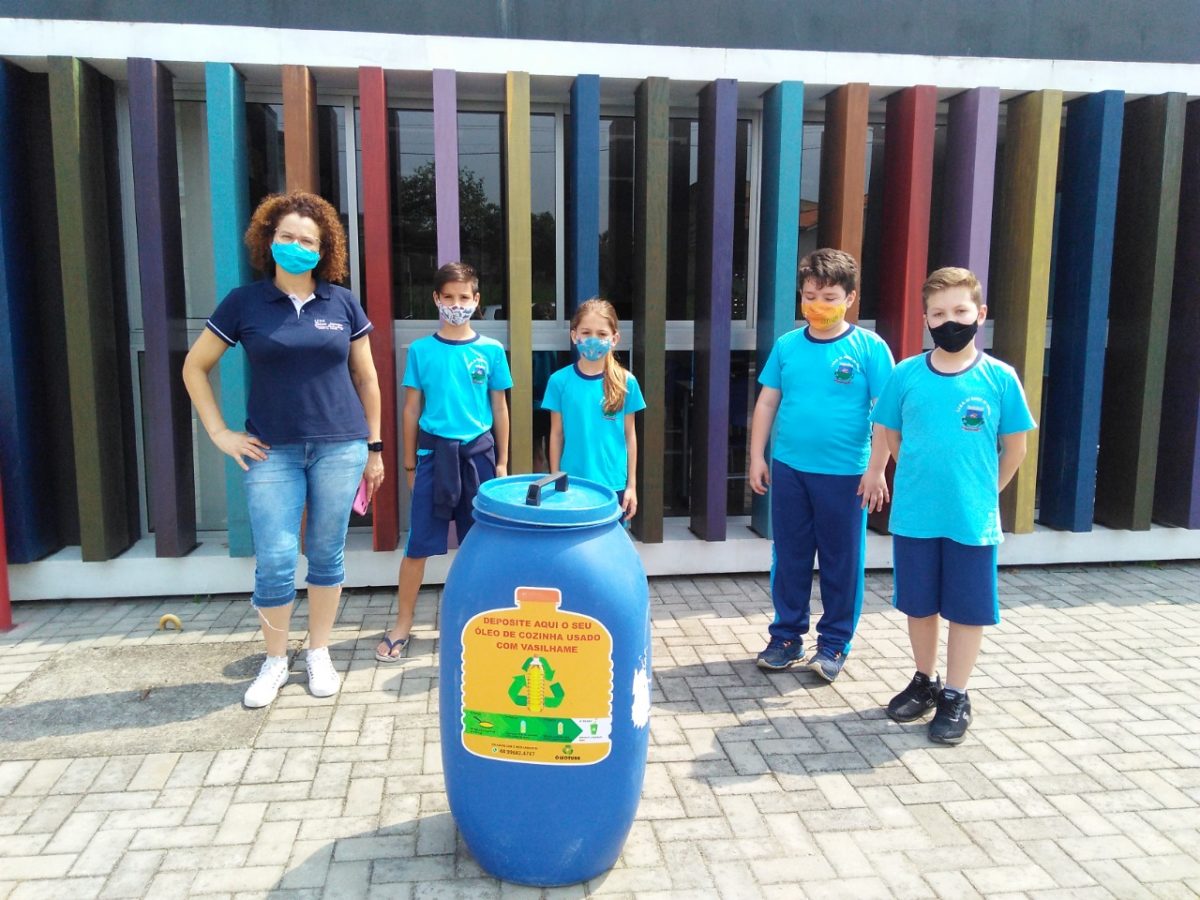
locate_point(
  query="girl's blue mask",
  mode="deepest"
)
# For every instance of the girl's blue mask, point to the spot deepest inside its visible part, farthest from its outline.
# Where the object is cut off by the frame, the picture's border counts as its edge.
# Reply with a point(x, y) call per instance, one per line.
point(295, 259)
point(594, 348)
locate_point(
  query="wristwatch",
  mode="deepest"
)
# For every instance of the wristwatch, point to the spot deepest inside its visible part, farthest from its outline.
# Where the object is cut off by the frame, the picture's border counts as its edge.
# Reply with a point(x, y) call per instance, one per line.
point(375, 446)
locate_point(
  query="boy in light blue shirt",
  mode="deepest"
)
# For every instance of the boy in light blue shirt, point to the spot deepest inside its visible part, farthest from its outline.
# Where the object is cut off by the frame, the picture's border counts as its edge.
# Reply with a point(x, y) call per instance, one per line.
point(817, 389)
point(455, 426)
point(943, 415)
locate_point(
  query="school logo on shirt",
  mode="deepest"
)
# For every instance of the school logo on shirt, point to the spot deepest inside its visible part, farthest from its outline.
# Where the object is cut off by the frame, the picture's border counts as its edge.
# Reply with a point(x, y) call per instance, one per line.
point(325, 325)
point(844, 369)
point(478, 368)
point(974, 412)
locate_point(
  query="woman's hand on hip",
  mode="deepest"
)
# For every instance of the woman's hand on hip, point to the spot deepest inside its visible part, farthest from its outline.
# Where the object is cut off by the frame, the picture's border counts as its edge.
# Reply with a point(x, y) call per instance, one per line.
point(239, 444)
point(373, 473)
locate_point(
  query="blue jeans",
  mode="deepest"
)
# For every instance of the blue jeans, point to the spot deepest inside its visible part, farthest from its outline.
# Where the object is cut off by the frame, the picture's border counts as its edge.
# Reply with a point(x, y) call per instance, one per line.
point(322, 475)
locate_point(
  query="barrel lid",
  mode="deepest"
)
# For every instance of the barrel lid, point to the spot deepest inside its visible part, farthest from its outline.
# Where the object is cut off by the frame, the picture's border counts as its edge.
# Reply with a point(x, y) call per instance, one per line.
point(561, 501)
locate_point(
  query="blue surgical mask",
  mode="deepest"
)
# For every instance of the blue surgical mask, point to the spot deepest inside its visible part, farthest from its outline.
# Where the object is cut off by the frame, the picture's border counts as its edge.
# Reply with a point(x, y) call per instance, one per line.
point(295, 259)
point(594, 348)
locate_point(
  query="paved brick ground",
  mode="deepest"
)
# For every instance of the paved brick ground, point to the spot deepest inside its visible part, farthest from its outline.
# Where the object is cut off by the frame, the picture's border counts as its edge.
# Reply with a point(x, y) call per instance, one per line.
point(1080, 778)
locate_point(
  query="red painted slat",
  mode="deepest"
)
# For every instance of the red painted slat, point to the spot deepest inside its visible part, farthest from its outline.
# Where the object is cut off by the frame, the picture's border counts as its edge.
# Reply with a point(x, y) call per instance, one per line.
point(907, 185)
point(377, 279)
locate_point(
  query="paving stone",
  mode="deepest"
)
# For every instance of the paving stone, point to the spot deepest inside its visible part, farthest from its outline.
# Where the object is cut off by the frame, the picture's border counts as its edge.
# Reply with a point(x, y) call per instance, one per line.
point(758, 785)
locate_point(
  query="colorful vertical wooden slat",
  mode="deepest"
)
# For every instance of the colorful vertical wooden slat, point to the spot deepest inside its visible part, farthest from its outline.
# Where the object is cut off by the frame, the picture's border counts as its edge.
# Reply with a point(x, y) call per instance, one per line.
point(26, 509)
point(1177, 484)
point(907, 191)
point(1021, 272)
point(969, 184)
point(1140, 310)
point(300, 129)
point(1070, 429)
point(445, 164)
point(783, 133)
point(518, 185)
point(714, 307)
point(57, 440)
point(377, 274)
point(6, 618)
point(92, 358)
point(171, 496)
point(907, 187)
point(583, 178)
point(229, 179)
point(652, 150)
point(844, 172)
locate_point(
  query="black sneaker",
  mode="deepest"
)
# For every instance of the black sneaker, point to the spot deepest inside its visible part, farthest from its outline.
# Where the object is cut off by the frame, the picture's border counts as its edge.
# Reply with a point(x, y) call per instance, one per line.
point(949, 723)
point(914, 701)
point(781, 653)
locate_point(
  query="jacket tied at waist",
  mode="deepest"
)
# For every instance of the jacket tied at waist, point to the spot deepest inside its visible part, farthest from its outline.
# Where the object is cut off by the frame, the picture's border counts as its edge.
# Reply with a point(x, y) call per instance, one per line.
point(453, 468)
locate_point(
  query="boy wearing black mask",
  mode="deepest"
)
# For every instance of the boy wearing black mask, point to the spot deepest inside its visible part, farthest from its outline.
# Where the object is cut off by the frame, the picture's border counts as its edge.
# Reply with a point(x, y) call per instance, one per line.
point(944, 414)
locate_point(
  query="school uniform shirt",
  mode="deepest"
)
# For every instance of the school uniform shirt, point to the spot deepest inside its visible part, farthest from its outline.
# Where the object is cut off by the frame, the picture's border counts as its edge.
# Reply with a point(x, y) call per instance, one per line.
point(593, 440)
point(300, 387)
point(455, 378)
point(950, 424)
point(822, 425)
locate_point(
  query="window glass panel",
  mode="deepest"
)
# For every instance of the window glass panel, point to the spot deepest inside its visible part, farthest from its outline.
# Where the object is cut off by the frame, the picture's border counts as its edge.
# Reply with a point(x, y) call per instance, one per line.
point(331, 164)
point(265, 160)
point(683, 199)
point(195, 207)
point(616, 213)
point(481, 205)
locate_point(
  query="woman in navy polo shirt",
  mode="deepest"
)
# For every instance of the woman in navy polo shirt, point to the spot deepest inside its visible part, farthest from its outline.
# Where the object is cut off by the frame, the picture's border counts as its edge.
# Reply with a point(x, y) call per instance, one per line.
point(312, 420)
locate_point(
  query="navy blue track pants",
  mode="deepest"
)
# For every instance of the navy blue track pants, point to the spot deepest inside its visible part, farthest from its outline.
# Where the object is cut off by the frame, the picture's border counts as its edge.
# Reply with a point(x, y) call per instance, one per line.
point(817, 517)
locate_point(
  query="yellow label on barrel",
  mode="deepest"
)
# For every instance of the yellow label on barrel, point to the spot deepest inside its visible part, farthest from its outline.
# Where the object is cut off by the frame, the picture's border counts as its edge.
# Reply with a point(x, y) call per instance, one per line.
point(537, 683)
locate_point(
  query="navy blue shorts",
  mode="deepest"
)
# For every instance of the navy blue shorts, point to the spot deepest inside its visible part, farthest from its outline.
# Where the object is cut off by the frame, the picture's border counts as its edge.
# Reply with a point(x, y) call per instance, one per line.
point(428, 535)
point(943, 577)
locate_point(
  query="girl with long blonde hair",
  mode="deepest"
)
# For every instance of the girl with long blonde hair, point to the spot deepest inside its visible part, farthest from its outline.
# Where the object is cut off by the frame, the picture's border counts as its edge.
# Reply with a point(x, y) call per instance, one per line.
point(592, 403)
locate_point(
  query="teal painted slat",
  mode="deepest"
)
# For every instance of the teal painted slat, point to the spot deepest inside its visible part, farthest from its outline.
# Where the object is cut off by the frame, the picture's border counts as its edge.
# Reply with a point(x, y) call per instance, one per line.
point(783, 132)
point(228, 180)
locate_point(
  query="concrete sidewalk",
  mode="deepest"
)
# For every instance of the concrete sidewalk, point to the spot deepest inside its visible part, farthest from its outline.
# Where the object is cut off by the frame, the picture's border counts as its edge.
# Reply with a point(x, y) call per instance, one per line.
point(129, 769)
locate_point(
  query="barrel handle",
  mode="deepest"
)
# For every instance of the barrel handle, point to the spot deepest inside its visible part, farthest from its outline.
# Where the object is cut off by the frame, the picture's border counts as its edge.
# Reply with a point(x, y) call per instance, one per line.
point(534, 496)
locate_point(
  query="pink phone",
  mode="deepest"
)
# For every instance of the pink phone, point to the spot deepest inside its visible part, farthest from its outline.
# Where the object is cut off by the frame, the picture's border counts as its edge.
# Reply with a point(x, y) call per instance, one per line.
point(360, 499)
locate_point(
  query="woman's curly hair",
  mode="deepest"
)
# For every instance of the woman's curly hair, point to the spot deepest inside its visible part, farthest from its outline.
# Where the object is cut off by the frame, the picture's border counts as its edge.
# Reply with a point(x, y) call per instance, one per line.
point(274, 207)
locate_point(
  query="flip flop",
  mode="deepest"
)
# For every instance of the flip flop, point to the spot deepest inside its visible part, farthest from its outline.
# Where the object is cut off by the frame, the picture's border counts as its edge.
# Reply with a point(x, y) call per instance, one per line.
point(392, 645)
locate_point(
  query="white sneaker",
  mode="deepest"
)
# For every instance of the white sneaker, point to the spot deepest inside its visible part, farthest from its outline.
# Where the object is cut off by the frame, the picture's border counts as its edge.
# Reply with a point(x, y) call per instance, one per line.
point(323, 679)
point(271, 677)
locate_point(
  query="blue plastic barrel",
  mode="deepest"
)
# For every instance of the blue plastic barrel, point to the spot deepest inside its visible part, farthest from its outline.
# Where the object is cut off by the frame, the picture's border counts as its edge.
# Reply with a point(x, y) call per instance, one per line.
point(545, 680)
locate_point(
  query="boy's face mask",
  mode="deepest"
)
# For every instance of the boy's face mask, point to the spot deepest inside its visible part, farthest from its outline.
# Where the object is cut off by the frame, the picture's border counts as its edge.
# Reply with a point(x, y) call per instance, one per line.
point(822, 316)
point(953, 336)
point(594, 348)
point(455, 315)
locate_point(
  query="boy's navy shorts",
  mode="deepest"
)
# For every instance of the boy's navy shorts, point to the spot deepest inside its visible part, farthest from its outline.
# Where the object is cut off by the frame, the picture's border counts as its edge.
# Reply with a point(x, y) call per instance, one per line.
point(428, 535)
point(953, 580)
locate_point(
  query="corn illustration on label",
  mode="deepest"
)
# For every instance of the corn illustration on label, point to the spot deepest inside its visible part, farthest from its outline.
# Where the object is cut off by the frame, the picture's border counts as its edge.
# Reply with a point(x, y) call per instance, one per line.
point(537, 682)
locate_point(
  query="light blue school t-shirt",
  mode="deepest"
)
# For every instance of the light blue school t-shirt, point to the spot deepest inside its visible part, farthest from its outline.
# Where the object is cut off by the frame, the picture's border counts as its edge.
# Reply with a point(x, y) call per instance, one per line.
point(950, 425)
point(826, 386)
point(455, 377)
point(593, 440)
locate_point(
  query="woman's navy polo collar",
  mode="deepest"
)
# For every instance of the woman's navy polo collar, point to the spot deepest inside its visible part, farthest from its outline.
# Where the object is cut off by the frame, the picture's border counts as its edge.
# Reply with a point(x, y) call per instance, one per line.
point(271, 292)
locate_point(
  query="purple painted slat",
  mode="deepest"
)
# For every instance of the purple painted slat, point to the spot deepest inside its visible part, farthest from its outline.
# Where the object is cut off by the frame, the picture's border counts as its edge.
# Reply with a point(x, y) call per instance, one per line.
point(970, 183)
point(445, 163)
point(714, 307)
point(171, 497)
